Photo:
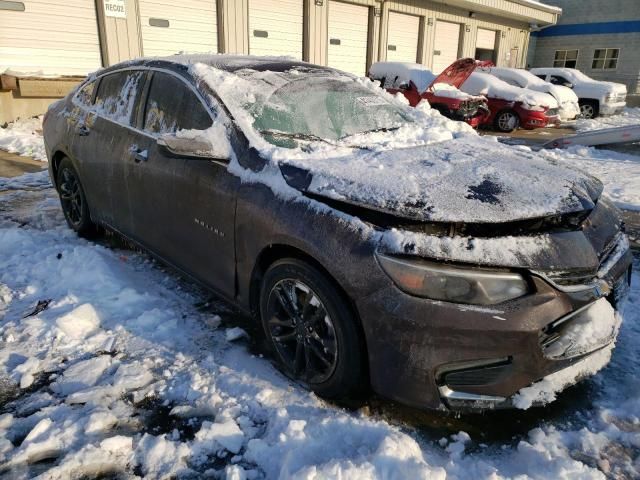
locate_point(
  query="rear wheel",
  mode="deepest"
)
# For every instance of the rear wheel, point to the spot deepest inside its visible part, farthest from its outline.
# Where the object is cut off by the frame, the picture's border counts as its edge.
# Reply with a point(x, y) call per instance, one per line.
point(73, 200)
point(506, 121)
point(589, 108)
point(312, 329)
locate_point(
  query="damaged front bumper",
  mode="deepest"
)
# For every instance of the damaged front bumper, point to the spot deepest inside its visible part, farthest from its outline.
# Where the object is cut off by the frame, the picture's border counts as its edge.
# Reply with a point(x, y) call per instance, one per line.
point(442, 355)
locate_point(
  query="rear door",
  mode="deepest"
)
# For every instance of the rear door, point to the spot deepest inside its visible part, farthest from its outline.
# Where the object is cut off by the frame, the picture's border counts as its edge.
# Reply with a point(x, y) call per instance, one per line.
point(182, 209)
point(100, 142)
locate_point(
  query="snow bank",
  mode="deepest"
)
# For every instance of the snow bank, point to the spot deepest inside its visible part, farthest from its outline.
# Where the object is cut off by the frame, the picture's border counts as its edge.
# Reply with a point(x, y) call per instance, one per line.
point(630, 116)
point(619, 172)
point(24, 137)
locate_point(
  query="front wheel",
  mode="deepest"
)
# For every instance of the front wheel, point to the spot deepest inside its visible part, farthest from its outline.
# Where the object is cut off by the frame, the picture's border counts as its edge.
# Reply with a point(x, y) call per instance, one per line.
point(506, 121)
point(312, 329)
point(73, 200)
point(588, 109)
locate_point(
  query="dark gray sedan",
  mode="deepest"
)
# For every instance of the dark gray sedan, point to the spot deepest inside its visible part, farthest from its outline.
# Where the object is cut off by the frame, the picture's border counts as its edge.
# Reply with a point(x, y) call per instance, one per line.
point(452, 274)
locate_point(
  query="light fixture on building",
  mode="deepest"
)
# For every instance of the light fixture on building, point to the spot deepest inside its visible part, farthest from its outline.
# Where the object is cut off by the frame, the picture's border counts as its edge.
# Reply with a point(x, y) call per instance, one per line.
point(319, 3)
point(472, 14)
point(377, 12)
point(503, 34)
point(430, 21)
point(467, 28)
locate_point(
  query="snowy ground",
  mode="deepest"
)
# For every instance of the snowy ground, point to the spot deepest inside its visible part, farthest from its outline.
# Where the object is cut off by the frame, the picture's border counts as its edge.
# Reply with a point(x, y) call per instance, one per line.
point(127, 370)
point(630, 116)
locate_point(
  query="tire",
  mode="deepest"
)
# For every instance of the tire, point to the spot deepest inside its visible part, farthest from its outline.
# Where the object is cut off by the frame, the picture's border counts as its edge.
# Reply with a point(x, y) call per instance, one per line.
point(326, 353)
point(589, 108)
point(73, 200)
point(506, 121)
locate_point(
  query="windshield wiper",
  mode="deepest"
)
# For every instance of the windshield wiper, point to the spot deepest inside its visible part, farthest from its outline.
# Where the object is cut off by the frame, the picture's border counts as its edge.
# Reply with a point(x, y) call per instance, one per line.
point(309, 137)
point(296, 136)
point(381, 129)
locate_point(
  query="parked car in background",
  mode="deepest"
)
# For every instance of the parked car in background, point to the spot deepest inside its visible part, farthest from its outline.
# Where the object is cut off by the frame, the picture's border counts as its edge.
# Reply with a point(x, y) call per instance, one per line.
point(512, 107)
point(568, 107)
point(443, 275)
point(418, 83)
point(594, 96)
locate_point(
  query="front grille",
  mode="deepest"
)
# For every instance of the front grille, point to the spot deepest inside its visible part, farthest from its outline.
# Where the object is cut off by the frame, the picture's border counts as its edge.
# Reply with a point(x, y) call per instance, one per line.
point(552, 112)
point(475, 373)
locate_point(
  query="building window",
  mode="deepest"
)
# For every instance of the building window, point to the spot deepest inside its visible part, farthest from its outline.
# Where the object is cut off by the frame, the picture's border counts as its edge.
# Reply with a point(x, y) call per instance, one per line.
point(605, 58)
point(566, 58)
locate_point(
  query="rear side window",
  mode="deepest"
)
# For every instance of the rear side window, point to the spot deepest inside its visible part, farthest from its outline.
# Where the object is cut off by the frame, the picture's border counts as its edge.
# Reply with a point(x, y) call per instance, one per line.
point(85, 94)
point(172, 106)
point(117, 94)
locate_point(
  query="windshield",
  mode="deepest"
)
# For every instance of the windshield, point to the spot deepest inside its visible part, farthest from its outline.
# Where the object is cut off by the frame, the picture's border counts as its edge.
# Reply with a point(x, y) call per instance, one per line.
point(318, 106)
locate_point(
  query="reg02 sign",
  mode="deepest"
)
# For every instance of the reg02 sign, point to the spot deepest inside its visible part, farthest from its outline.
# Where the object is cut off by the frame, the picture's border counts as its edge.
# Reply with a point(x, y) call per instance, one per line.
point(115, 8)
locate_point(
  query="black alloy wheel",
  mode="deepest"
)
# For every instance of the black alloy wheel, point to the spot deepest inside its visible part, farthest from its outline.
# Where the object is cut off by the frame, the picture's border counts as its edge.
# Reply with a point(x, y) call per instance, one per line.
point(312, 330)
point(73, 200)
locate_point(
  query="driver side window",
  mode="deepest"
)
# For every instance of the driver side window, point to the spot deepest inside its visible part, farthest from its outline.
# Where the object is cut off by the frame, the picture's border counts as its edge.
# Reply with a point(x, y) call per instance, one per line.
point(172, 106)
point(559, 80)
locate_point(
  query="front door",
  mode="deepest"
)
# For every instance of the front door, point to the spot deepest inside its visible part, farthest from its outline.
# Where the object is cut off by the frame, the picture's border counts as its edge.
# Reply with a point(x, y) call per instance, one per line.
point(183, 208)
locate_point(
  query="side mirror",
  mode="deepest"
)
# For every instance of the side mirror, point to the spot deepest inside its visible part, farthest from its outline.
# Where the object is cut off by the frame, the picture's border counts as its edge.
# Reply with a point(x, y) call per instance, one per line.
point(193, 144)
point(567, 84)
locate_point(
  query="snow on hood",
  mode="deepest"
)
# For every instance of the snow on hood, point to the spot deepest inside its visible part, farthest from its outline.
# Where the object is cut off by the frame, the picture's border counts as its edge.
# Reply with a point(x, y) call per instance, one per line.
point(485, 84)
point(526, 79)
point(434, 169)
point(469, 179)
point(421, 76)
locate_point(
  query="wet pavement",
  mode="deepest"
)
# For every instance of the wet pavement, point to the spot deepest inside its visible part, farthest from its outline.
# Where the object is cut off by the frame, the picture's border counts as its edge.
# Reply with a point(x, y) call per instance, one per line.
point(12, 165)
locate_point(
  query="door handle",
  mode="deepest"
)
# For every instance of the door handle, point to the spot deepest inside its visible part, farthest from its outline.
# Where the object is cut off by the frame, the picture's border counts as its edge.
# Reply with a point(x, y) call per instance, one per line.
point(140, 156)
point(83, 130)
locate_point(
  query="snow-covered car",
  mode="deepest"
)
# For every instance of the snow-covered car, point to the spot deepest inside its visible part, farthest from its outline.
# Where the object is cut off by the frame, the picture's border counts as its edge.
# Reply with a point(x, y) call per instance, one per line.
point(416, 82)
point(594, 96)
point(568, 108)
point(512, 107)
point(443, 274)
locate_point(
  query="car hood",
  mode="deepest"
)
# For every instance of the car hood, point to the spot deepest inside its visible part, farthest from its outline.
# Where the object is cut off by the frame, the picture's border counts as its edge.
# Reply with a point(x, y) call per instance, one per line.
point(469, 179)
point(561, 94)
point(594, 88)
point(456, 73)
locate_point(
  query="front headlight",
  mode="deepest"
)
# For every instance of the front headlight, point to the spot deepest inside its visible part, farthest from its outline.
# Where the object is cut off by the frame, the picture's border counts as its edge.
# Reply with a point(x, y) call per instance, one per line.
point(453, 284)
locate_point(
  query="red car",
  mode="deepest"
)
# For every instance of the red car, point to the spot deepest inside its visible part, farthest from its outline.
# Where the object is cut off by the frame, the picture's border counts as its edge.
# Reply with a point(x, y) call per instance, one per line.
point(417, 83)
point(510, 106)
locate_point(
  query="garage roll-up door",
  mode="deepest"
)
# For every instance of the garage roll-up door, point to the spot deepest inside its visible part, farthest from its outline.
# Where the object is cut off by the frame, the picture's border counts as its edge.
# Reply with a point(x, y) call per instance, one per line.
point(275, 27)
point(446, 45)
point(402, 41)
point(348, 32)
point(485, 44)
point(51, 36)
point(173, 26)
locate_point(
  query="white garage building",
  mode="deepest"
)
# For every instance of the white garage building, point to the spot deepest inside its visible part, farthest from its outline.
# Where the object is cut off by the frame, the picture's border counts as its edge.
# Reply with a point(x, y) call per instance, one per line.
point(46, 44)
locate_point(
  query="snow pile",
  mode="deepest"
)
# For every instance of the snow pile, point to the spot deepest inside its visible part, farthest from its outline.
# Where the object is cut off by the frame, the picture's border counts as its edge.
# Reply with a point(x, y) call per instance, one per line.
point(591, 329)
point(629, 116)
point(545, 390)
point(24, 137)
point(489, 86)
point(398, 73)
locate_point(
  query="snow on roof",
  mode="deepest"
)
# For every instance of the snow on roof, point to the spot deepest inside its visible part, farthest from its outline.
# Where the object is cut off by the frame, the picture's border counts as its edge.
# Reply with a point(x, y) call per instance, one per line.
point(539, 5)
point(485, 84)
point(420, 75)
point(522, 77)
